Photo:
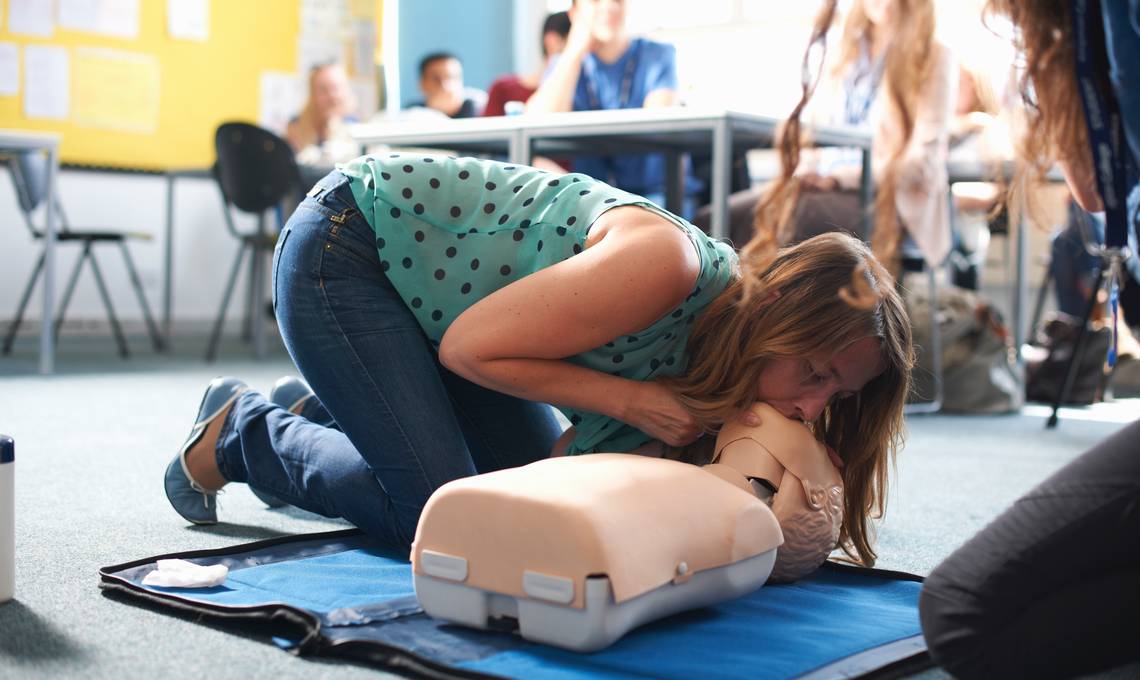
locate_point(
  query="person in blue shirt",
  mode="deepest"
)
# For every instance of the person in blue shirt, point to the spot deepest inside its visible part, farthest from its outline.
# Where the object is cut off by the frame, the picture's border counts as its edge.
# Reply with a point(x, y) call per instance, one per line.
point(603, 67)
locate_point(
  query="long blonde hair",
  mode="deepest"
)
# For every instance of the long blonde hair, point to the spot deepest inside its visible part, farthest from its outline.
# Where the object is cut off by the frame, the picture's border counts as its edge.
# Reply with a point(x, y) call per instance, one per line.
point(1055, 121)
point(907, 62)
point(736, 335)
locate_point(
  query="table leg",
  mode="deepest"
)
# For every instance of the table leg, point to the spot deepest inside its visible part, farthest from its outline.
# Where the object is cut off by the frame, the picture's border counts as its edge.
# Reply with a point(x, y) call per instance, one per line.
point(519, 148)
point(1020, 286)
point(867, 193)
point(47, 334)
point(675, 182)
point(168, 261)
point(721, 176)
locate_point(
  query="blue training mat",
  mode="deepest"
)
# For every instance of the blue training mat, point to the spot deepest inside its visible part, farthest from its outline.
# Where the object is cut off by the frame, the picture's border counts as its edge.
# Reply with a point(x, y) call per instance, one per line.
point(340, 594)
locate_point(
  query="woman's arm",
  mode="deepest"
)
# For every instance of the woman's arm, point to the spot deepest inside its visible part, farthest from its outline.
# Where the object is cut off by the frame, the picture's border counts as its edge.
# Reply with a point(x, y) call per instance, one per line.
point(514, 340)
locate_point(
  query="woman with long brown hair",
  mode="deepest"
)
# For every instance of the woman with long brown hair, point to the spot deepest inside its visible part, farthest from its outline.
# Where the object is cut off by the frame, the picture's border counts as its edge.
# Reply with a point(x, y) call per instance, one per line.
point(889, 76)
point(1052, 586)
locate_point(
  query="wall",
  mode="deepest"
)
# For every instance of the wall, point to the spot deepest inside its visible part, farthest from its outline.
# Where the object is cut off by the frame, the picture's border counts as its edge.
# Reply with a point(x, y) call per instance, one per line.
point(480, 33)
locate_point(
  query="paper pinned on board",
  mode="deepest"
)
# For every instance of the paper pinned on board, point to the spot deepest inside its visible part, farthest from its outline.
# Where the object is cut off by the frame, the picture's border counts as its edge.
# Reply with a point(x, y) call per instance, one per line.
point(117, 18)
point(282, 96)
point(9, 69)
point(31, 17)
point(116, 90)
point(46, 82)
point(188, 19)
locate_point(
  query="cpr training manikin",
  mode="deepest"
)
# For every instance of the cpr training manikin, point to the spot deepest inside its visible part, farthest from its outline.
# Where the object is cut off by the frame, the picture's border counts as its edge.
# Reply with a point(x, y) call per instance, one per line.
point(576, 551)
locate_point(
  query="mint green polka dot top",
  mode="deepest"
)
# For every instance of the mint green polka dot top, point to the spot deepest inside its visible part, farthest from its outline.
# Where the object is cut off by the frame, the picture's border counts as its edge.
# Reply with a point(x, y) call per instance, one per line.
point(451, 231)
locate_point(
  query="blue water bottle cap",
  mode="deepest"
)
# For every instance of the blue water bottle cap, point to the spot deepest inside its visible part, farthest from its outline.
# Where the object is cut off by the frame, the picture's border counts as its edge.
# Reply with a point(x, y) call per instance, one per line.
point(7, 449)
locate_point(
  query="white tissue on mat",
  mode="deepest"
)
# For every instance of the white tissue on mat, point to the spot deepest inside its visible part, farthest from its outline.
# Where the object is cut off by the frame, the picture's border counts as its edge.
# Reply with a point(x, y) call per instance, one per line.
point(183, 574)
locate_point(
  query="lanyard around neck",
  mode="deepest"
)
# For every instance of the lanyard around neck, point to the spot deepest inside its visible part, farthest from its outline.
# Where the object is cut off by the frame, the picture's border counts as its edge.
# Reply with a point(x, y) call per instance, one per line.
point(626, 92)
point(1102, 118)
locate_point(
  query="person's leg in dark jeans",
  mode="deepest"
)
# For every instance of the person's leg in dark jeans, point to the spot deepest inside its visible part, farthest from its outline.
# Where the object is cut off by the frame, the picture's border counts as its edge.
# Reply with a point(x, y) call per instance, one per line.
point(1051, 588)
point(371, 367)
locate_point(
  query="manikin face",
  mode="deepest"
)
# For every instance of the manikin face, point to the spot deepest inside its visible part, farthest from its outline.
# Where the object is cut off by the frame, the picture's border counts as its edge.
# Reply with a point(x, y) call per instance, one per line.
point(878, 11)
point(801, 387)
point(609, 18)
point(442, 75)
point(329, 90)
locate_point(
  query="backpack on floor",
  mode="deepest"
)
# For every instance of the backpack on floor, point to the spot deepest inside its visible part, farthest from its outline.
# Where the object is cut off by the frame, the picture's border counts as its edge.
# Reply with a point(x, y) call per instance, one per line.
point(979, 364)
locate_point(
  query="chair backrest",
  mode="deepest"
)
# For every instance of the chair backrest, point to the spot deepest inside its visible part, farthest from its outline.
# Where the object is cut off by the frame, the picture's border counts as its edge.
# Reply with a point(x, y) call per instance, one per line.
point(29, 170)
point(255, 168)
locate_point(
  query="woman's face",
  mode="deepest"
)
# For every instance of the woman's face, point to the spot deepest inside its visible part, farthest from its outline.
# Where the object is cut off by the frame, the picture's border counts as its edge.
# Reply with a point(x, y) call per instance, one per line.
point(330, 91)
point(801, 387)
point(878, 11)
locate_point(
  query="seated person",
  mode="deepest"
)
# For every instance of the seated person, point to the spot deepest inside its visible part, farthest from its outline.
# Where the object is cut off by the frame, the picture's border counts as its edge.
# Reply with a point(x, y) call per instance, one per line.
point(1074, 266)
point(856, 91)
point(602, 67)
point(519, 88)
point(441, 81)
point(318, 134)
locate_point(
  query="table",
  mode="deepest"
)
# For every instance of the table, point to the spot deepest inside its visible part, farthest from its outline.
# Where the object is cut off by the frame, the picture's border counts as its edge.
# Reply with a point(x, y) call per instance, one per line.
point(674, 131)
point(22, 140)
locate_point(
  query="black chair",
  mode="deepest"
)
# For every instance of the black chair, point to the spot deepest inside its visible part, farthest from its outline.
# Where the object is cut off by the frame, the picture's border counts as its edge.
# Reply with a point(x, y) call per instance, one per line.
point(255, 172)
point(29, 175)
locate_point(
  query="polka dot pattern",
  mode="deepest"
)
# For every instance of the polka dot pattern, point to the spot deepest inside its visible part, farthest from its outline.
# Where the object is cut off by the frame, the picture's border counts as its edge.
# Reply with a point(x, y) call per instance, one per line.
point(451, 231)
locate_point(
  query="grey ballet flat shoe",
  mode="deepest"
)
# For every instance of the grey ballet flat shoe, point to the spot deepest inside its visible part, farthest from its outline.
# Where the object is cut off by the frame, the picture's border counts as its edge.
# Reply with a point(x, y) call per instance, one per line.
point(186, 496)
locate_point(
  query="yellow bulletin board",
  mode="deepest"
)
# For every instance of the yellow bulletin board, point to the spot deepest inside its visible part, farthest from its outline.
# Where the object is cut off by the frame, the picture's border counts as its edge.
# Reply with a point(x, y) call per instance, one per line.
point(153, 102)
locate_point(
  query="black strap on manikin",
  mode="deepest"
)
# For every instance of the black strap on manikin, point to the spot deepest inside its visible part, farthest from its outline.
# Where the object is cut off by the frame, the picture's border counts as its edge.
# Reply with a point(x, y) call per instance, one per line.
point(1102, 116)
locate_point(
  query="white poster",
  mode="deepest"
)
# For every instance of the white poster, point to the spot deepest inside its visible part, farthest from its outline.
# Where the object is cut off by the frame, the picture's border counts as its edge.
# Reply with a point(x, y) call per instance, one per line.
point(31, 17)
point(46, 82)
point(188, 19)
point(118, 18)
point(364, 48)
point(9, 69)
point(366, 99)
point(282, 96)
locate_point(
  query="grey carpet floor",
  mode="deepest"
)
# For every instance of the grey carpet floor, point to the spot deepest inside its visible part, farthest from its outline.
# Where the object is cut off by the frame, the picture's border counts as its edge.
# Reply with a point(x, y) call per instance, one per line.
point(93, 442)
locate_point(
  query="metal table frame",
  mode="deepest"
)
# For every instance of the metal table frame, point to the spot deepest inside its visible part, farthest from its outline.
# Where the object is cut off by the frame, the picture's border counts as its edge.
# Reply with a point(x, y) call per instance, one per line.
point(21, 140)
point(674, 131)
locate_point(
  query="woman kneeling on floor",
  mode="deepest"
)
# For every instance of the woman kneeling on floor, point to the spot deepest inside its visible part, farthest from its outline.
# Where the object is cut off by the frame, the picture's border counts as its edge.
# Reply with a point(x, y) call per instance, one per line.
point(437, 305)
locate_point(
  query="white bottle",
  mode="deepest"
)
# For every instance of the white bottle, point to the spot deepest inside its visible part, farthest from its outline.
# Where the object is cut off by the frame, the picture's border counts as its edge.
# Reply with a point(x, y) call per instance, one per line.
point(7, 518)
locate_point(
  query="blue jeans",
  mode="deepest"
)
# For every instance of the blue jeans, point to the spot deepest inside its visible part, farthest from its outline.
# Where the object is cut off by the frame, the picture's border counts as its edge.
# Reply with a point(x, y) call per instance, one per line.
point(389, 425)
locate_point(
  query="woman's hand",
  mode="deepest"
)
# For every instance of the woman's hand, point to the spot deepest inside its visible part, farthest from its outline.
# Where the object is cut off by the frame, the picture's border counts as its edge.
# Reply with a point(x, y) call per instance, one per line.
point(655, 410)
point(580, 41)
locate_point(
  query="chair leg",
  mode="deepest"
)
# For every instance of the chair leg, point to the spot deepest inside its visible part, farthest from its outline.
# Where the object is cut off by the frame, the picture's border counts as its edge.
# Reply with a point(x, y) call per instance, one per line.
point(215, 335)
point(136, 282)
point(70, 290)
point(1039, 306)
point(251, 294)
point(115, 327)
point(11, 336)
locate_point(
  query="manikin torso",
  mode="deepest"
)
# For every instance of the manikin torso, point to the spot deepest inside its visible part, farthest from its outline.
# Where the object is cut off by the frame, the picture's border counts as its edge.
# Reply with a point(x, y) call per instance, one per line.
point(782, 463)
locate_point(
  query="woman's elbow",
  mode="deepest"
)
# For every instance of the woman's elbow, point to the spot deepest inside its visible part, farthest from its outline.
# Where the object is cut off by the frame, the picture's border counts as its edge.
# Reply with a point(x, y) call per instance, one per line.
point(453, 355)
